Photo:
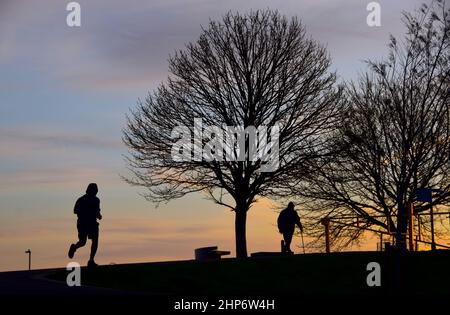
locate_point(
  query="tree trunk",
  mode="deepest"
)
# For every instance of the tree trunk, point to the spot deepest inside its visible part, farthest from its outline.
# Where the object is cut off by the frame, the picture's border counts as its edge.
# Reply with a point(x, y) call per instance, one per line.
point(240, 231)
point(402, 226)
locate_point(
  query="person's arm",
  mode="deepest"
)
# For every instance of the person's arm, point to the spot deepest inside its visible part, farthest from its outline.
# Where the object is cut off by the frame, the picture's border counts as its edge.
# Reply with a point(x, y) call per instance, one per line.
point(99, 215)
point(77, 204)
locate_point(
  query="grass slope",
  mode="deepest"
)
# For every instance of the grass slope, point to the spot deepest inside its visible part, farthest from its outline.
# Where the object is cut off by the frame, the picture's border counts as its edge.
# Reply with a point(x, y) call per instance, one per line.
point(424, 273)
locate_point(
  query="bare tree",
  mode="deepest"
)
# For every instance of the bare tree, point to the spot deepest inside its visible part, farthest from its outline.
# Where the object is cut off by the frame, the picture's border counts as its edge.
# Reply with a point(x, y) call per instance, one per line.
point(395, 137)
point(258, 69)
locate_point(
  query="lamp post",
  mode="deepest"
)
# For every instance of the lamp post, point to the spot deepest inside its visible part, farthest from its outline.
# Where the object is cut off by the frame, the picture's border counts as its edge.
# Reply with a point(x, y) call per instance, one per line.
point(29, 258)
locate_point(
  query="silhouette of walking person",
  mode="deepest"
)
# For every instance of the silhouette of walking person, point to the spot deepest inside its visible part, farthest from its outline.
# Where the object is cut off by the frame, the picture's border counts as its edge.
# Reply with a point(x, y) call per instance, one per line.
point(287, 220)
point(87, 208)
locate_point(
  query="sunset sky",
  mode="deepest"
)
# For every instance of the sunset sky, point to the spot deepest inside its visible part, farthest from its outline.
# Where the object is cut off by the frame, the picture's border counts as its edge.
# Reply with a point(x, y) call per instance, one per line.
point(64, 94)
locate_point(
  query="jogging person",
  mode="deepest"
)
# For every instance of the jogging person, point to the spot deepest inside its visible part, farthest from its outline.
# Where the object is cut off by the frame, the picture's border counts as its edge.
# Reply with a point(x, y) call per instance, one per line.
point(87, 208)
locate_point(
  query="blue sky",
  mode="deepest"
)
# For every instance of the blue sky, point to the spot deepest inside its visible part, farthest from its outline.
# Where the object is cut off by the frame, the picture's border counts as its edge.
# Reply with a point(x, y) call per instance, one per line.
point(64, 94)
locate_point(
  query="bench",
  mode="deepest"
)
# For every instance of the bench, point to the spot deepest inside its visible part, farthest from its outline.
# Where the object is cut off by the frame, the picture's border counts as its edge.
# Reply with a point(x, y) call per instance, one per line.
point(209, 253)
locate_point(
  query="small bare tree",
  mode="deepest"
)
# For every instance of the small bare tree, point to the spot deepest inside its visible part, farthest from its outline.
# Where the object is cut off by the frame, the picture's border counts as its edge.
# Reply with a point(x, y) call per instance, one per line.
point(395, 137)
point(258, 69)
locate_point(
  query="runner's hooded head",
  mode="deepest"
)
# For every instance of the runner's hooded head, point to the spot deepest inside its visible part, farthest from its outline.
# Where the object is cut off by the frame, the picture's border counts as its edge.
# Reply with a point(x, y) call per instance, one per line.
point(92, 189)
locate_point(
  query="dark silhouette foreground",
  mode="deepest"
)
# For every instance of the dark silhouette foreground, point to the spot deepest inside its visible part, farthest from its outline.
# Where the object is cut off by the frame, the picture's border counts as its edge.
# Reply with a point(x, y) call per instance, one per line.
point(287, 220)
point(87, 208)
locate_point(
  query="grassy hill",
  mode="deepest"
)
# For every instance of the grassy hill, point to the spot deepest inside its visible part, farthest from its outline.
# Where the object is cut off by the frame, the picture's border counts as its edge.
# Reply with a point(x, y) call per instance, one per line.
point(417, 273)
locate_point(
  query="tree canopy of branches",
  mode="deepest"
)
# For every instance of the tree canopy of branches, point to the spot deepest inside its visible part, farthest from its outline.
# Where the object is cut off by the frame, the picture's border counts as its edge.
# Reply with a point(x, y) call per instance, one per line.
point(257, 69)
point(394, 137)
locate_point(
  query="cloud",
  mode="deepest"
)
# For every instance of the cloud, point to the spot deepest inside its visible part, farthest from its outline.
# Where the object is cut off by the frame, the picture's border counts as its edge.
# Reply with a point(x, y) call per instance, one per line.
point(43, 159)
point(29, 138)
point(53, 178)
point(123, 48)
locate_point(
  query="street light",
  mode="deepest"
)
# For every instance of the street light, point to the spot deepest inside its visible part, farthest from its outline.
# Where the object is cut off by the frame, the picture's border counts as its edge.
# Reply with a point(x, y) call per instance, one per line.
point(29, 258)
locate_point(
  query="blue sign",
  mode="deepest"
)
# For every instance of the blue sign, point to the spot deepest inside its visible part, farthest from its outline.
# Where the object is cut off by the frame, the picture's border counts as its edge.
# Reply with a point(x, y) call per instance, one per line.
point(424, 194)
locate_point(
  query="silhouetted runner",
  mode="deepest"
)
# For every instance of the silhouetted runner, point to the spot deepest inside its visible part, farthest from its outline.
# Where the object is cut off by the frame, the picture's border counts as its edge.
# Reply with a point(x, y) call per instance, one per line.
point(87, 208)
point(287, 220)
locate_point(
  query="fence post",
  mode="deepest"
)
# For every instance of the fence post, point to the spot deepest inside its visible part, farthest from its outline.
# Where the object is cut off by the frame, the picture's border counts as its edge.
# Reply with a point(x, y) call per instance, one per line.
point(326, 223)
point(433, 243)
point(381, 242)
point(411, 225)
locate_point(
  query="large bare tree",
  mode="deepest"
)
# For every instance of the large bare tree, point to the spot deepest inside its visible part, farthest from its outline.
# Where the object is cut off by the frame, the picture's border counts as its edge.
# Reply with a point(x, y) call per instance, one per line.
point(257, 69)
point(394, 137)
